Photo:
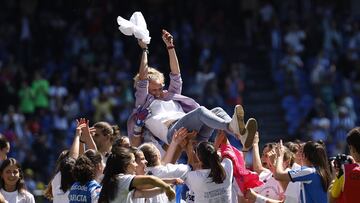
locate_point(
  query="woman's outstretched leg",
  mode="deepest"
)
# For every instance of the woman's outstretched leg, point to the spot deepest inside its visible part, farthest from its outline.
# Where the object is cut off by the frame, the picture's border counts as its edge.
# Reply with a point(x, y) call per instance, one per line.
point(217, 119)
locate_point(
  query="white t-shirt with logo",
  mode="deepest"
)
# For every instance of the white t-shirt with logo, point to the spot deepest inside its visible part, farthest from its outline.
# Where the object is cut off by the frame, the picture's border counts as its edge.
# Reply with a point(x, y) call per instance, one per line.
point(124, 194)
point(167, 171)
point(271, 187)
point(58, 195)
point(190, 197)
point(205, 190)
point(16, 197)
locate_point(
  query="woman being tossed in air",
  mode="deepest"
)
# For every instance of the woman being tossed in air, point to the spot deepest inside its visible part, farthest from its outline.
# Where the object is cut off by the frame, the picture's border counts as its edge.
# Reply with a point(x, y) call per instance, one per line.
point(170, 110)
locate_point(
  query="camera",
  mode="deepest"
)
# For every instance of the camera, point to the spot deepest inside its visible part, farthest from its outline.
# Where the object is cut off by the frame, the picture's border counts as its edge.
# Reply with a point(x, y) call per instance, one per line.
point(340, 159)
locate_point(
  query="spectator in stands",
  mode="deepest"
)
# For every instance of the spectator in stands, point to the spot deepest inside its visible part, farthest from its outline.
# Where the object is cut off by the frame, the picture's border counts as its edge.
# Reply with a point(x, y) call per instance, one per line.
point(235, 84)
point(87, 94)
point(342, 123)
point(12, 117)
point(57, 93)
point(4, 148)
point(291, 64)
point(12, 182)
point(60, 127)
point(320, 127)
point(103, 108)
point(294, 38)
point(26, 97)
point(40, 87)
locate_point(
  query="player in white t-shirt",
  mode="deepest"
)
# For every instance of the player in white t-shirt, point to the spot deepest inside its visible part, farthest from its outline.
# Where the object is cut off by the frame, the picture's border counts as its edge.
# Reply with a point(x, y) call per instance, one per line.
point(272, 189)
point(162, 167)
point(120, 184)
point(212, 181)
point(142, 169)
point(62, 181)
point(104, 137)
point(13, 187)
point(292, 192)
point(58, 188)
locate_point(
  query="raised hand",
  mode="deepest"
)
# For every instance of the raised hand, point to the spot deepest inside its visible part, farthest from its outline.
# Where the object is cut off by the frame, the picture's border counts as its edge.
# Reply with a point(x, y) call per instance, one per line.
point(86, 134)
point(84, 129)
point(280, 149)
point(167, 38)
point(142, 44)
point(80, 124)
point(271, 158)
point(190, 136)
point(180, 135)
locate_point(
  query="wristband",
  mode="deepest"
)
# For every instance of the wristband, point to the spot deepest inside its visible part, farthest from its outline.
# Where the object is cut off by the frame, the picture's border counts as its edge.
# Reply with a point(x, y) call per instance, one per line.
point(137, 135)
point(146, 50)
point(137, 129)
point(170, 47)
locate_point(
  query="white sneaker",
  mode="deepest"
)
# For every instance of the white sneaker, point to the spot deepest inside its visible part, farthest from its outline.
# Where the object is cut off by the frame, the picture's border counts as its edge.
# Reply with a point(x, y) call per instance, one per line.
point(244, 133)
point(247, 139)
point(237, 124)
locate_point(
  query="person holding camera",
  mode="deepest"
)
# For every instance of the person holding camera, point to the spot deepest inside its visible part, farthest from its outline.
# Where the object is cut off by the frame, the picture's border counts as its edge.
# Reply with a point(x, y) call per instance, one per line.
point(346, 185)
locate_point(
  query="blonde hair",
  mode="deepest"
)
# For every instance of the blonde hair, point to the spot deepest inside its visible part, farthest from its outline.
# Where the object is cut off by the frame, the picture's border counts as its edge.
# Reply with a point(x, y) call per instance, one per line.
point(150, 152)
point(112, 130)
point(153, 74)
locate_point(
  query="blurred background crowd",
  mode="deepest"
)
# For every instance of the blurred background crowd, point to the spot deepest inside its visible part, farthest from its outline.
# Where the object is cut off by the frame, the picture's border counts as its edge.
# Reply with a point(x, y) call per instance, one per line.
point(294, 65)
